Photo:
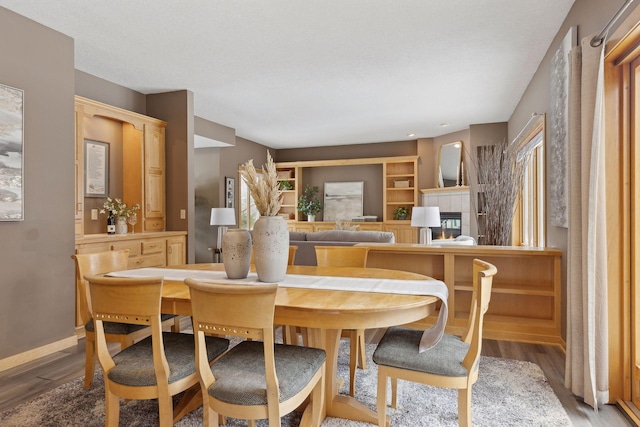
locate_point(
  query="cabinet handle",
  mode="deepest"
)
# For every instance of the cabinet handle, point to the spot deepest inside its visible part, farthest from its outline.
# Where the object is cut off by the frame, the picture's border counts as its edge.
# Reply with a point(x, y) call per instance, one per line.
point(170, 250)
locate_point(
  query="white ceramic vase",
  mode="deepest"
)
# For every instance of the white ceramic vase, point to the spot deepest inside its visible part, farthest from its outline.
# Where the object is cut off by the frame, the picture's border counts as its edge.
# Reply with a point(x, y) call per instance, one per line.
point(236, 253)
point(311, 218)
point(270, 248)
point(121, 225)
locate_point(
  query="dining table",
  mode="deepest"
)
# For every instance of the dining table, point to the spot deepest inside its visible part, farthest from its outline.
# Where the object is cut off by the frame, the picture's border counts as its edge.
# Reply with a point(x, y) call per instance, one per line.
point(323, 312)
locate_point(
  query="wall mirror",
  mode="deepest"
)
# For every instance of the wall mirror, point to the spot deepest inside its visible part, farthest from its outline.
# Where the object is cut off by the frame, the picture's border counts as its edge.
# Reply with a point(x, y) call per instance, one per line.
point(450, 168)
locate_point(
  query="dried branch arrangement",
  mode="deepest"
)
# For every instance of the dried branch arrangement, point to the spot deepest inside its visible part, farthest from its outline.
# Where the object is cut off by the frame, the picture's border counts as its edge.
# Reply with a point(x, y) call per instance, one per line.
point(264, 187)
point(500, 175)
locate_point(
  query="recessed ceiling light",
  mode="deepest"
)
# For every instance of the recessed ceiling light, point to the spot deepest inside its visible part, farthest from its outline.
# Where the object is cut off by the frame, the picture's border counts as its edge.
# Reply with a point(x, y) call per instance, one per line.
point(411, 134)
point(444, 125)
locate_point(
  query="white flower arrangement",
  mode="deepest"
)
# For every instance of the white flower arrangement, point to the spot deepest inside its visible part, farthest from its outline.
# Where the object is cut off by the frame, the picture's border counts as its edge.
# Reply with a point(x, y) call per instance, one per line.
point(264, 187)
point(118, 208)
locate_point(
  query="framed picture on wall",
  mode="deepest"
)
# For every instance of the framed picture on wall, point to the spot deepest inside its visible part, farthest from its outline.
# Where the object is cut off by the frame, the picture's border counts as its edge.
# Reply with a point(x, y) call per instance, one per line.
point(96, 168)
point(11, 149)
point(229, 185)
point(343, 200)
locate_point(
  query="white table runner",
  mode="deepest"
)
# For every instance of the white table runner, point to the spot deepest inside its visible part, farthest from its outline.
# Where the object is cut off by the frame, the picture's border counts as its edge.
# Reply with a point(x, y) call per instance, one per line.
point(429, 287)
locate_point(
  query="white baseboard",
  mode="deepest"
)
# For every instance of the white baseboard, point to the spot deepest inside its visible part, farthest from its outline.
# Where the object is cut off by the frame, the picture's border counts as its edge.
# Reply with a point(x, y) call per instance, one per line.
point(36, 353)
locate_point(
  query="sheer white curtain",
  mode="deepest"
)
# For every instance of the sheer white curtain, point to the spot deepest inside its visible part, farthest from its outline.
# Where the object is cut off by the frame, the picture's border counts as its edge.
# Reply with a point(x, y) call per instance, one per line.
point(587, 333)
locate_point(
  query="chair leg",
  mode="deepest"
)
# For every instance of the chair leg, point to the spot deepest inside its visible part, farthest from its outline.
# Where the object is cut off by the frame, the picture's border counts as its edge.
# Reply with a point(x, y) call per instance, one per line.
point(176, 324)
point(90, 361)
point(381, 401)
point(464, 407)
point(362, 355)
point(353, 359)
point(165, 408)
point(112, 407)
point(394, 393)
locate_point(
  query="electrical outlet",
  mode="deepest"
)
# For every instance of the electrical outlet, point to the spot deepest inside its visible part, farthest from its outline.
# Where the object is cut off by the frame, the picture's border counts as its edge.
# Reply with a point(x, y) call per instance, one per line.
point(94, 214)
point(183, 214)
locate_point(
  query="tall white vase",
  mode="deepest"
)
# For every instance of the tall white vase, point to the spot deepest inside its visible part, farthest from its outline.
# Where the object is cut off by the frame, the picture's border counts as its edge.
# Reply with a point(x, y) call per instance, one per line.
point(236, 253)
point(271, 248)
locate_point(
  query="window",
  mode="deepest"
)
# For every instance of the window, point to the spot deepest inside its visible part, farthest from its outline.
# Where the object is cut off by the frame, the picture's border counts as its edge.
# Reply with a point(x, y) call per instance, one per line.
point(248, 212)
point(529, 224)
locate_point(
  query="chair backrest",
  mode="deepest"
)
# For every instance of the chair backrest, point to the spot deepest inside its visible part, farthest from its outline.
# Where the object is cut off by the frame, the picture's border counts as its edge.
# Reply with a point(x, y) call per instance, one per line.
point(128, 300)
point(245, 311)
point(292, 254)
point(95, 264)
point(341, 256)
point(483, 273)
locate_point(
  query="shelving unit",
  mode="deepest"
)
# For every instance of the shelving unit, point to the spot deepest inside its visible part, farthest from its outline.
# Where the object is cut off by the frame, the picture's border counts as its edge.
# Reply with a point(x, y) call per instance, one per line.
point(403, 169)
point(525, 299)
point(399, 187)
point(289, 197)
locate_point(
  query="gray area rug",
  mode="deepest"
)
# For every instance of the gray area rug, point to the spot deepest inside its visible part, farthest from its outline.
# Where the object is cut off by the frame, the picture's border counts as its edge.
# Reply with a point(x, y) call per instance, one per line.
point(508, 393)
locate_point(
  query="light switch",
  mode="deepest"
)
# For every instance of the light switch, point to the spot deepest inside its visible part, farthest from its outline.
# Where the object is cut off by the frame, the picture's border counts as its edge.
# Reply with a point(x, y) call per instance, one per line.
point(94, 214)
point(183, 214)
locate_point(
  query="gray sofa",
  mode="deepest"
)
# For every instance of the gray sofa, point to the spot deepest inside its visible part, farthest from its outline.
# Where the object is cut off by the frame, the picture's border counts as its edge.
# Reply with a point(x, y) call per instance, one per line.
point(307, 241)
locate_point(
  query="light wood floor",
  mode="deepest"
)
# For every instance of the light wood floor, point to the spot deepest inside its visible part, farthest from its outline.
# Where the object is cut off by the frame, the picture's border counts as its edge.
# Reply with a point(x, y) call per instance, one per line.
point(25, 382)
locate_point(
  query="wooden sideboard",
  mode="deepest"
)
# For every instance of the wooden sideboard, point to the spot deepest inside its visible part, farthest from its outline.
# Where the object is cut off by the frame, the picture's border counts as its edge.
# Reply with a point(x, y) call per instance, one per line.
point(154, 249)
point(404, 233)
point(526, 295)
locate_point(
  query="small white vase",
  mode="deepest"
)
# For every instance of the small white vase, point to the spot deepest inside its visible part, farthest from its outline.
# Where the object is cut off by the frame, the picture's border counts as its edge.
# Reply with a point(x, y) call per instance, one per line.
point(271, 248)
point(121, 225)
point(311, 218)
point(236, 253)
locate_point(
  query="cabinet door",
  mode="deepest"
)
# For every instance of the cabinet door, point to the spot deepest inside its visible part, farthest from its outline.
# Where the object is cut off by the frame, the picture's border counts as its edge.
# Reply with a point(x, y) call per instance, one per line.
point(176, 251)
point(403, 233)
point(154, 178)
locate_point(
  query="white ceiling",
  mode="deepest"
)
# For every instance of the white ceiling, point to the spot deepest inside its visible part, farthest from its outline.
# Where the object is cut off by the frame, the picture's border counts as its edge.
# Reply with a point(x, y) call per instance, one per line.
point(293, 73)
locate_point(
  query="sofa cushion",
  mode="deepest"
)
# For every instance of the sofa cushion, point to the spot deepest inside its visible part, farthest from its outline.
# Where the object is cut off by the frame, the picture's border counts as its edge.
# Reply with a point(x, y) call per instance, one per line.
point(351, 236)
point(297, 235)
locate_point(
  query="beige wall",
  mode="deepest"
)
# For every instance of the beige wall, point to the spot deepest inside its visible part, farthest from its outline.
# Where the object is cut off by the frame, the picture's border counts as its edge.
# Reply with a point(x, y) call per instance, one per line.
point(207, 191)
point(37, 286)
point(382, 149)
point(92, 87)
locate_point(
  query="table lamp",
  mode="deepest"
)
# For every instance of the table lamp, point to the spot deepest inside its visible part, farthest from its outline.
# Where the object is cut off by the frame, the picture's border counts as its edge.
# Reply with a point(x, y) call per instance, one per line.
point(222, 217)
point(425, 217)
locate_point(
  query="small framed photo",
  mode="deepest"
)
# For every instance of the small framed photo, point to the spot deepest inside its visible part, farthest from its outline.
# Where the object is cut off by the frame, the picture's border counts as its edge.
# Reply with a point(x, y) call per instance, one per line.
point(96, 168)
point(229, 186)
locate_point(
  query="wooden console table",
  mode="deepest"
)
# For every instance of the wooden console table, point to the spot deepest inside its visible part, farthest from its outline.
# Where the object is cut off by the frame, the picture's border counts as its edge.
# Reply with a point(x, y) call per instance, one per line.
point(526, 298)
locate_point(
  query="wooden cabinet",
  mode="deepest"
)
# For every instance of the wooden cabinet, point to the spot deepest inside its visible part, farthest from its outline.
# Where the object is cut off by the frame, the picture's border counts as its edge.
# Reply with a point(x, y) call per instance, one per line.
point(143, 161)
point(145, 249)
point(526, 295)
point(404, 233)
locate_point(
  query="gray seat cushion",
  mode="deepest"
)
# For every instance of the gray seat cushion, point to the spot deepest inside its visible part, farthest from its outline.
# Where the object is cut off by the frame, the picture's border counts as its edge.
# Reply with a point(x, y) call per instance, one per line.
point(115, 328)
point(134, 364)
point(399, 348)
point(240, 374)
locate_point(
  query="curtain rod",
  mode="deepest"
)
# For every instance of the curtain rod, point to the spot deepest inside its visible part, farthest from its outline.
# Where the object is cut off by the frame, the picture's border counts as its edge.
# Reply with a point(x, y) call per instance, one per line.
point(533, 116)
point(597, 40)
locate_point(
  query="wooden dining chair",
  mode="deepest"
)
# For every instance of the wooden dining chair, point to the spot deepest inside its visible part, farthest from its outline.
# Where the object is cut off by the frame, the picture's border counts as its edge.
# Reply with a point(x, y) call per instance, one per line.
point(158, 367)
point(257, 378)
point(452, 363)
point(121, 333)
point(348, 256)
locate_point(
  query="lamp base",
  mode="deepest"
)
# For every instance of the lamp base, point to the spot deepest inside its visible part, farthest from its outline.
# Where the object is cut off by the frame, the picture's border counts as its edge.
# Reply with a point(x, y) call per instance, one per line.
point(425, 236)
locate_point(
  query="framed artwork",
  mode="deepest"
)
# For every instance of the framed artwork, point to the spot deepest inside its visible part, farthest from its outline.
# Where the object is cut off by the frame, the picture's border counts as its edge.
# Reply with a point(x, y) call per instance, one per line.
point(342, 200)
point(96, 168)
point(11, 151)
point(229, 185)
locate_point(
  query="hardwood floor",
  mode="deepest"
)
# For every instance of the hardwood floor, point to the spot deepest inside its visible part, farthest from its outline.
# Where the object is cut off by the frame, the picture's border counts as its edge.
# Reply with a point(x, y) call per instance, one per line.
point(25, 382)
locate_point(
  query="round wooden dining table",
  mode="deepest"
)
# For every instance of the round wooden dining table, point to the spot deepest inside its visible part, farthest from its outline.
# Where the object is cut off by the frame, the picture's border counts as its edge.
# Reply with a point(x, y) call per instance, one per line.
point(324, 313)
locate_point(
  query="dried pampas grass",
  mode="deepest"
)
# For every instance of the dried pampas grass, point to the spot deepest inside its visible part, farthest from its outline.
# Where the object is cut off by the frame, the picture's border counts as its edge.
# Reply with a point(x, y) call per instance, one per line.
point(264, 187)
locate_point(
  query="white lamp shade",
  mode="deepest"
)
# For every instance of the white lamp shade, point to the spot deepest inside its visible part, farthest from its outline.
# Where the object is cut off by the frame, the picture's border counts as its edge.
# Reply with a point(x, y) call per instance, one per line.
point(223, 216)
point(425, 216)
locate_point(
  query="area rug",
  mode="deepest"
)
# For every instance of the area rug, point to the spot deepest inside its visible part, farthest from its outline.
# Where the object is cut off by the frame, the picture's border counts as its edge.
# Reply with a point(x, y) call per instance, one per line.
point(508, 393)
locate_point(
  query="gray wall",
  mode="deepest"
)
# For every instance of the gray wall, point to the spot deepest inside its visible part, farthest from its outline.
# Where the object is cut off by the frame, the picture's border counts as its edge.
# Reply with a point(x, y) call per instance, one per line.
point(37, 289)
point(207, 190)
